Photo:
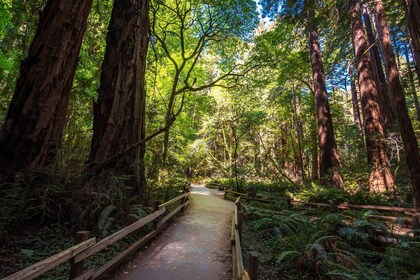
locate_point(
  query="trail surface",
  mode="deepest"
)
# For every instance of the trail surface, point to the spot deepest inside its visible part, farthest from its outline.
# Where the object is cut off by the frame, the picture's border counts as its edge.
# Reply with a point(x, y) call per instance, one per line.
point(196, 246)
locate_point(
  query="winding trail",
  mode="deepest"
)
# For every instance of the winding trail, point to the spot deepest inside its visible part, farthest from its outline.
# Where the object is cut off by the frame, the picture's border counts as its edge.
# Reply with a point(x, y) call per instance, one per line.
point(196, 246)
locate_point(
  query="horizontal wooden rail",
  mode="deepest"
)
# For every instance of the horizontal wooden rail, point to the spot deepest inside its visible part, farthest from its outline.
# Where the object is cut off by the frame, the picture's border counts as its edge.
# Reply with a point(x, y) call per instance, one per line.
point(43, 266)
point(121, 256)
point(173, 200)
point(374, 207)
point(238, 193)
point(238, 253)
point(170, 215)
point(342, 206)
point(78, 253)
point(239, 272)
point(118, 235)
point(313, 203)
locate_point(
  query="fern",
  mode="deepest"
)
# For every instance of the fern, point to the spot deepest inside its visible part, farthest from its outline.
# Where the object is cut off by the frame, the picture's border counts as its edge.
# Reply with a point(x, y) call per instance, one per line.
point(105, 221)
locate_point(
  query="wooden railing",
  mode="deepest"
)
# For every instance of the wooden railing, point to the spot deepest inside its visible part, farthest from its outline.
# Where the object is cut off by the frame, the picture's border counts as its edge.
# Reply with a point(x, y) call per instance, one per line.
point(409, 217)
point(236, 233)
point(236, 236)
point(86, 247)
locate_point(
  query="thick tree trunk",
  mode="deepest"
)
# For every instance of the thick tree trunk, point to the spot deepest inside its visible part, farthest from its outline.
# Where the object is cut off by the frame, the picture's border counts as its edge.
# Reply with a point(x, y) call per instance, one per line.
point(406, 129)
point(119, 113)
point(387, 114)
point(412, 10)
point(328, 154)
point(381, 178)
point(34, 123)
point(411, 80)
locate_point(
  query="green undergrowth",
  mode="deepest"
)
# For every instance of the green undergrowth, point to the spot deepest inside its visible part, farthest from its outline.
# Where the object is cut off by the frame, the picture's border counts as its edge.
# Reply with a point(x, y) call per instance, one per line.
point(39, 220)
point(262, 187)
point(314, 192)
point(308, 244)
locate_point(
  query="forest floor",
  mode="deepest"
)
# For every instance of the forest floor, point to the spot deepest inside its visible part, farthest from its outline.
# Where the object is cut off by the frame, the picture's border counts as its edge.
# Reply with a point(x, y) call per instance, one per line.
point(196, 246)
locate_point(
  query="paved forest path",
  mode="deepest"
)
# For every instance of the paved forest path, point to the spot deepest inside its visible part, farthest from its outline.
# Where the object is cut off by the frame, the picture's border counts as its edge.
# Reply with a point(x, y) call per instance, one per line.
point(196, 246)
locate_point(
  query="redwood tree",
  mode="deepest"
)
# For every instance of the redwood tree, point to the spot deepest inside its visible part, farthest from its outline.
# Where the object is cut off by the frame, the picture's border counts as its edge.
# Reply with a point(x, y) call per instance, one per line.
point(355, 104)
point(387, 113)
point(412, 10)
point(36, 116)
point(381, 178)
point(120, 110)
point(411, 80)
point(406, 128)
point(328, 154)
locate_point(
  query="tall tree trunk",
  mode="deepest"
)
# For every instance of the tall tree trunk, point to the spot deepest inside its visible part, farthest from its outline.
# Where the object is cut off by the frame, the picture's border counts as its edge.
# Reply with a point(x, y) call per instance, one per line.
point(387, 113)
point(299, 136)
point(35, 120)
point(355, 103)
point(314, 152)
point(380, 178)
point(412, 10)
point(411, 80)
point(283, 144)
point(119, 113)
point(406, 129)
point(328, 154)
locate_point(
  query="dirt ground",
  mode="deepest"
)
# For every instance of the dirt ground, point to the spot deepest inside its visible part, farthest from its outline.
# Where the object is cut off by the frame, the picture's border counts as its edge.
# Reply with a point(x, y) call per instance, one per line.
point(196, 246)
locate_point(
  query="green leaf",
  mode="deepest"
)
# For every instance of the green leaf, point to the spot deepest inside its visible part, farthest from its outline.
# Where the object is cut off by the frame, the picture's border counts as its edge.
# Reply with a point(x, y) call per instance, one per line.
point(287, 254)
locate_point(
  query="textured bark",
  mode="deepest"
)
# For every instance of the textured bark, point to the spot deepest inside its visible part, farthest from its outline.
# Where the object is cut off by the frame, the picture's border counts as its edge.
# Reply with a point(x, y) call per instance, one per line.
point(328, 154)
point(406, 128)
point(34, 123)
point(412, 10)
point(412, 84)
point(387, 114)
point(355, 103)
point(120, 111)
point(380, 179)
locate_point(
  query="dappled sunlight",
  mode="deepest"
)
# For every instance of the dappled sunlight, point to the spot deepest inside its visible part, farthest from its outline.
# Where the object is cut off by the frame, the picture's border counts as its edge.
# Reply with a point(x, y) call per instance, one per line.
point(200, 189)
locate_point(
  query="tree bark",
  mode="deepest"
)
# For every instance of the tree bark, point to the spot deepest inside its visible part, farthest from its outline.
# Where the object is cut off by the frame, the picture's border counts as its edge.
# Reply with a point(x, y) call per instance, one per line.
point(299, 137)
point(380, 178)
point(119, 114)
point(406, 128)
point(355, 103)
point(35, 120)
point(411, 80)
point(314, 152)
point(387, 113)
point(328, 154)
point(412, 12)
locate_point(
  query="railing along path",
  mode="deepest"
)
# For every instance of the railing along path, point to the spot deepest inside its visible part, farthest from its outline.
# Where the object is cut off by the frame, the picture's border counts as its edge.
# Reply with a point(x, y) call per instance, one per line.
point(86, 247)
point(409, 216)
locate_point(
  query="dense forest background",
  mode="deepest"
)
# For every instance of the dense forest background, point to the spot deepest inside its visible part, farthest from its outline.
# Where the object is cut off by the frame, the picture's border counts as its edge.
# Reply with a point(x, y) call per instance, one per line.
point(106, 107)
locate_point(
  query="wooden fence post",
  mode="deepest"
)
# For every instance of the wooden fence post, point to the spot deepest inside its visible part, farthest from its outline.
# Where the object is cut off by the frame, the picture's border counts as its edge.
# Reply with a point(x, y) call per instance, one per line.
point(253, 265)
point(289, 203)
point(157, 203)
point(76, 269)
point(415, 223)
point(252, 192)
